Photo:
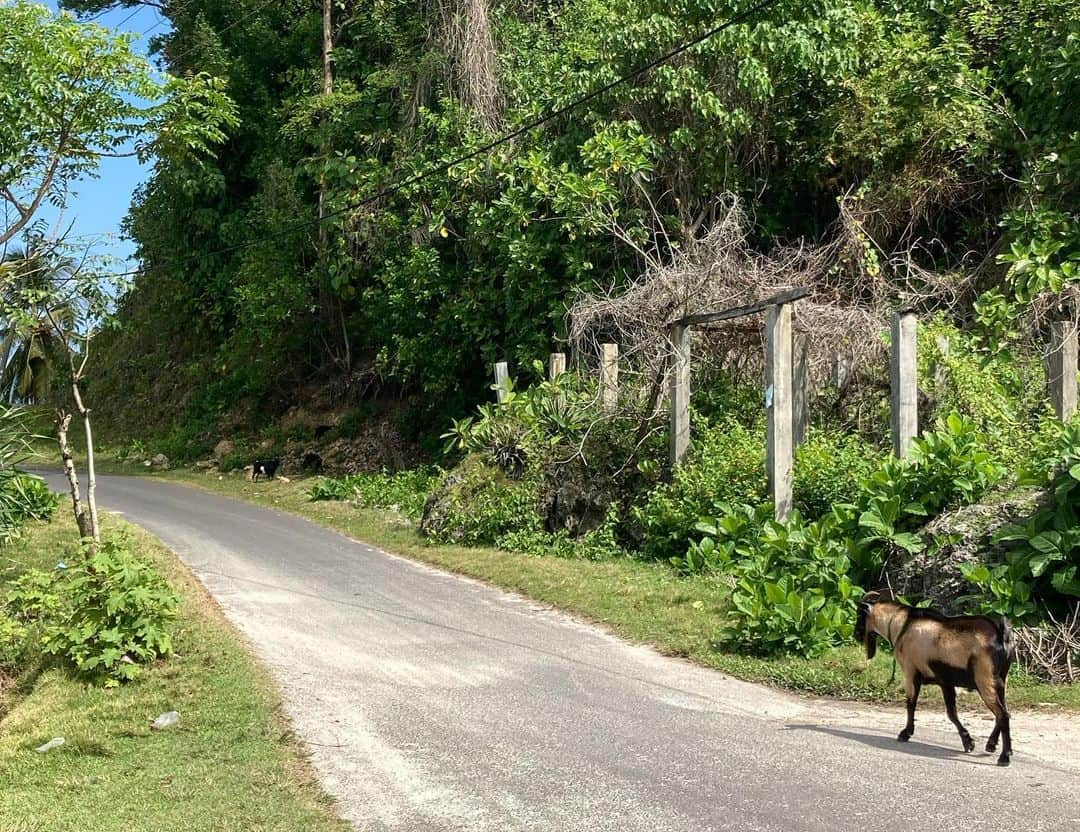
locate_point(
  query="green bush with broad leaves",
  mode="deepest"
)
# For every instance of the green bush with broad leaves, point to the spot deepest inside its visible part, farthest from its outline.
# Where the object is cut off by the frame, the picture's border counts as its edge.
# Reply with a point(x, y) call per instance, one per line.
point(600, 543)
point(726, 465)
point(404, 491)
point(989, 377)
point(792, 590)
point(104, 616)
point(828, 468)
point(1041, 565)
point(23, 496)
point(794, 583)
point(528, 423)
point(14, 643)
point(478, 504)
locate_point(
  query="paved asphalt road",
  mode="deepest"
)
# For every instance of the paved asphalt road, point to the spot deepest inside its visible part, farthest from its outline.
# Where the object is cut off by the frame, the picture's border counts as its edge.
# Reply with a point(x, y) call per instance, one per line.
point(431, 702)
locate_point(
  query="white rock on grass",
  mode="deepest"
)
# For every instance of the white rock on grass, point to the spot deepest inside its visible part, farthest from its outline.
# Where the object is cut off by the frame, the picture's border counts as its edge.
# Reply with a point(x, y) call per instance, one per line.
point(169, 719)
point(55, 742)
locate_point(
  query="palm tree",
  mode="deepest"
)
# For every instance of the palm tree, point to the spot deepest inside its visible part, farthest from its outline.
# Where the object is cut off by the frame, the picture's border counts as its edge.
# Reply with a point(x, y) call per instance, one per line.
point(31, 278)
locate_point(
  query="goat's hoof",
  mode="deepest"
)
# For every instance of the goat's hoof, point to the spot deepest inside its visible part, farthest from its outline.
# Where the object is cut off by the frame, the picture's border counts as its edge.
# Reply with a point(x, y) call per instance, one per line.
point(903, 736)
point(991, 747)
point(1003, 760)
point(969, 744)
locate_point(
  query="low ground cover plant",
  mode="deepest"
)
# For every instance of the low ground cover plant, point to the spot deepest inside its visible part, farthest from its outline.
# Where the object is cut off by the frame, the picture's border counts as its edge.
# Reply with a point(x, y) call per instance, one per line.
point(103, 616)
point(404, 490)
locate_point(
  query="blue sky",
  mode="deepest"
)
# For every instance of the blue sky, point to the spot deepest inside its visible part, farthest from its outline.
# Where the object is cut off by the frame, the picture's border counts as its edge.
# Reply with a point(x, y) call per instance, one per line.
point(98, 205)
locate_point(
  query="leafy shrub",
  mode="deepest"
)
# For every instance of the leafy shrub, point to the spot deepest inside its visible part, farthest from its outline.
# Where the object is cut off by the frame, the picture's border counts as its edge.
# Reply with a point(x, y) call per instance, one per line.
point(795, 583)
point(791, 591)
point(944, 468)
point(528, 424)
point(237, 459)
point(718, 397)
point(404, 490)
point(999, 389)
point(600, 543)
point(828, 469)
point(726, 465)
point(106, 616)
point(354, 421)
point(1043, 564)
point(22, 496)
point(38, 501)
point(14, 642)
point(478, 504)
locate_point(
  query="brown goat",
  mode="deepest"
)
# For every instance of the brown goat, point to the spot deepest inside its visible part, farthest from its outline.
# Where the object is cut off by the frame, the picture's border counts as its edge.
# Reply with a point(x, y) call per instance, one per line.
point(969, 651)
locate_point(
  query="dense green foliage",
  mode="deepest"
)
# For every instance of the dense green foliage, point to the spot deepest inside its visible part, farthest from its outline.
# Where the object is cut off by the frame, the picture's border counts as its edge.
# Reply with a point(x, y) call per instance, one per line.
point(405, 491)
point(946, 121)
point(796, 583)
point(23, 496)
point(1042, 564)
point(942, 131)
point(104, 616)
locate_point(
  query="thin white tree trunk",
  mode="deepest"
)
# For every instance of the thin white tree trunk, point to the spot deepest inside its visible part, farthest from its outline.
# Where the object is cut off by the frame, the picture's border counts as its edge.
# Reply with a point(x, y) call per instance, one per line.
point(91, 479)
point(63, 422)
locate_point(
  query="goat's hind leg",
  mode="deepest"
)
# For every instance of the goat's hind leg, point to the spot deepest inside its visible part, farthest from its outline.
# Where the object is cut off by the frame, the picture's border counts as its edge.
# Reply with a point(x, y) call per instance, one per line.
point(993, 695)
point(948, 692)
point(912, 686)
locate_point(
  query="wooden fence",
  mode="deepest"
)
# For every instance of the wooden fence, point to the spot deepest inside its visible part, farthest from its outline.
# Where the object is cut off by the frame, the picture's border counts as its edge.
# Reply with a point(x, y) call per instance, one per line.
point(787, 392)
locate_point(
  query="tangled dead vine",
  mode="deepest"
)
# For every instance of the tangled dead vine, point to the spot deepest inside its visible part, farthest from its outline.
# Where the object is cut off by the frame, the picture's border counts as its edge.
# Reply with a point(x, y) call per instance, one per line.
point(854, 285)
point(1051, 650)
point(465, 31)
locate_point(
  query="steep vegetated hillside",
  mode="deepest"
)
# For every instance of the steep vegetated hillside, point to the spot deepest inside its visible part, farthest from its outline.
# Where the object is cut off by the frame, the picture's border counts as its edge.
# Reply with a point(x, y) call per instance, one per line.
point(940, 136)
point(334, 285)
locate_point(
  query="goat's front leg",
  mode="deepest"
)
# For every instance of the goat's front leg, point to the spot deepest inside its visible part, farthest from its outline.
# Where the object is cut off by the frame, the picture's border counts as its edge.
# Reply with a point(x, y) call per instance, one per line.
point(912, 686)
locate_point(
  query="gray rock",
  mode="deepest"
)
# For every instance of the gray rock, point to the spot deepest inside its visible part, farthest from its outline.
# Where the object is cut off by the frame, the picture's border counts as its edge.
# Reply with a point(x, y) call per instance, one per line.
point(169, 719)
point(222, 449)
point(160, 462)
point(573, 498)
point(964, 535)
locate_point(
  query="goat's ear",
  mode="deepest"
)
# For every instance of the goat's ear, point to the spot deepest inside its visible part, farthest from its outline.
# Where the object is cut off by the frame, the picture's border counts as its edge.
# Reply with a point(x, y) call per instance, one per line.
point(871, 643)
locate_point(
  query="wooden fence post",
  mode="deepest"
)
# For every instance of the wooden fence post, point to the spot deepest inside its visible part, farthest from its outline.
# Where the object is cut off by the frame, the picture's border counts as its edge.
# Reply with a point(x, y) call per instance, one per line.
point(1062, 366)
point(680, 393)
point(778, 401)
point(502, 376)
point(609, 377)
point(904, 382)
point(556, 365)
point(841, 371)
point(800, 388)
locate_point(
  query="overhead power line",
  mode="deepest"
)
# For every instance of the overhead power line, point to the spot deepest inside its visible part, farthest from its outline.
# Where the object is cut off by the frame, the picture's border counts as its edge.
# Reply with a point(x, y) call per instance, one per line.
point(437, 170)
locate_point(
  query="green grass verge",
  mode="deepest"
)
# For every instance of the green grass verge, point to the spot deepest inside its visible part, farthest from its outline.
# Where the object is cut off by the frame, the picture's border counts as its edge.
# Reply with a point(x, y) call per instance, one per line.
point(644, 602)
point(231, 765)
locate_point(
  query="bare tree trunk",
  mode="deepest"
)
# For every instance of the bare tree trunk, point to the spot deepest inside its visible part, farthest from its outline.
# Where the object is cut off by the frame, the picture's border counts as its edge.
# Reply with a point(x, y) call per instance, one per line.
point(330, 307)
point(63, 422)
point(91, 480)
point(327, 47)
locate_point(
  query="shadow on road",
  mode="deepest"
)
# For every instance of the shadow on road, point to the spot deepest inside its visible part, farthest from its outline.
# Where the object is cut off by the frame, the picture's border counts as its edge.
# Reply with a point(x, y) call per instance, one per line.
point(912, 747)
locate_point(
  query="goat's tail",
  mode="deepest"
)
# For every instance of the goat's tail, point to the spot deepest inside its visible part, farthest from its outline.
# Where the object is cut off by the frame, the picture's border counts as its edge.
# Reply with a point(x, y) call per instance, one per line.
point(1008, 646)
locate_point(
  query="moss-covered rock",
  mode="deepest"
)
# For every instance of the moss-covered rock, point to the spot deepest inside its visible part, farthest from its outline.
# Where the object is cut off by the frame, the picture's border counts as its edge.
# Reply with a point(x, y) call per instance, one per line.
point(964, 535)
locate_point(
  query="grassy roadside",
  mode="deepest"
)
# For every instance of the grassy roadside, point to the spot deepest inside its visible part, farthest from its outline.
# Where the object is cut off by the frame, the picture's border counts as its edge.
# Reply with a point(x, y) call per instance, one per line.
point(643, 602)
point(232, 764)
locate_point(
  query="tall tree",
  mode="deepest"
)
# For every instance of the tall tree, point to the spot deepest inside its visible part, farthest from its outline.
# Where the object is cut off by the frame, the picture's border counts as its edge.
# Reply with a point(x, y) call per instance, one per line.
point(72, 94)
